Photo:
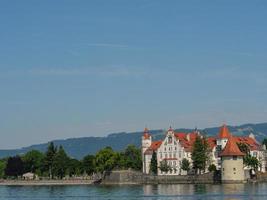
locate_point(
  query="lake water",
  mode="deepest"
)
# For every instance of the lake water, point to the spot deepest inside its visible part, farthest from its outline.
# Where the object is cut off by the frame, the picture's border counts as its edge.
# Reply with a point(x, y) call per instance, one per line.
point(147, 192)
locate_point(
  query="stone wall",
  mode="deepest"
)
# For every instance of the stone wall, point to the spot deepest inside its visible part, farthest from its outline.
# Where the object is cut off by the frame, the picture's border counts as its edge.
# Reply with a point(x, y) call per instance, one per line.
point(133, 177)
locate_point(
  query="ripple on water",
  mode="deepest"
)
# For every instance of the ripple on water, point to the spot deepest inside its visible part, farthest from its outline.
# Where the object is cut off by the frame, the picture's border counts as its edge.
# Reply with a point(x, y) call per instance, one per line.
point(154, 192)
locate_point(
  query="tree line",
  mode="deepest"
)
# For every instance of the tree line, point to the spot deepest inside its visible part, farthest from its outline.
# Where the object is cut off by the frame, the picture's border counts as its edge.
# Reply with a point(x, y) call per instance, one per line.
point(56, 164)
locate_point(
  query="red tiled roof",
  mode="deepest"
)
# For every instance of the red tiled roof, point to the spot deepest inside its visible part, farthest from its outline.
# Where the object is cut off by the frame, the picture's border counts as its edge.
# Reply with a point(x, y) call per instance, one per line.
point(231, 149)
point(224, 132)
point(193, 136)
point(212, 142)
point(153, 147)
point(252, 143)
point(180, 136)
point(187, 144)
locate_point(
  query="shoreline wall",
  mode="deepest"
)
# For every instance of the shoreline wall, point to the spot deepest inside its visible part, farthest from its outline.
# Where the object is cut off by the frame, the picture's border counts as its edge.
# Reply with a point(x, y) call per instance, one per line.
point(134, 177)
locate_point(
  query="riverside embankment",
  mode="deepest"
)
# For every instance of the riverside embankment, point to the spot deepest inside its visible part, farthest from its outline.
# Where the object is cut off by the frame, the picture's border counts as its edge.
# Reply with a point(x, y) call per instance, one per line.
point(134, 177)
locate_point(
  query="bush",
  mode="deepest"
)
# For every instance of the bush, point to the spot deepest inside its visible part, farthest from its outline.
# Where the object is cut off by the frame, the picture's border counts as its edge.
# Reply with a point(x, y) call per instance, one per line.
point(212, 168)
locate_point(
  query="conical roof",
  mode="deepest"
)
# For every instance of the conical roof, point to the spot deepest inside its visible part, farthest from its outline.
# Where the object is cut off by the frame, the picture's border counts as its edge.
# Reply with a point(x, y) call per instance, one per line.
point(231, 149)
point(146, 133)
point(224, 132)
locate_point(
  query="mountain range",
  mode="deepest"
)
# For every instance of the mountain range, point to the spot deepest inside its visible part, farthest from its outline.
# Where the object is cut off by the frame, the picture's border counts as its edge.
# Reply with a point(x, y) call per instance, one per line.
point(79, 147)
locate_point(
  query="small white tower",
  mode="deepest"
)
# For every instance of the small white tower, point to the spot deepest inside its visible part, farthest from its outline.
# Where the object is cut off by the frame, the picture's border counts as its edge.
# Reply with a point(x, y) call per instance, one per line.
point(146, 143)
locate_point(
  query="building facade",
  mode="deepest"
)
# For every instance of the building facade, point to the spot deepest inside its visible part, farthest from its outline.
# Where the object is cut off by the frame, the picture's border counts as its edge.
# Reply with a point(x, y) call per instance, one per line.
point(174, 147)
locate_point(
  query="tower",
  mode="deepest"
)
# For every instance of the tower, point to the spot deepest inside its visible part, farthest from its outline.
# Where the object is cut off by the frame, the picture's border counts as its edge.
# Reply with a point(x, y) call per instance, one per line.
point(232, 162)
point(146, 143)
point(223, 136)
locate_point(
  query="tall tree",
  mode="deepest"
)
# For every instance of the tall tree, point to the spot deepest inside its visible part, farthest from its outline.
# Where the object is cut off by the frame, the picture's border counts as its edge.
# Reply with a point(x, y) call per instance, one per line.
point(243, 148)
point(88, 164)
point(2, 168)
point(74, 167)
point(61, 163)
point(106, 160)
point(200, 154)
point(32, 161)
point(132, 156)
point(185, 164)
point(14, 166)
point(50, 159)
point(154, 164)
point(249, 160)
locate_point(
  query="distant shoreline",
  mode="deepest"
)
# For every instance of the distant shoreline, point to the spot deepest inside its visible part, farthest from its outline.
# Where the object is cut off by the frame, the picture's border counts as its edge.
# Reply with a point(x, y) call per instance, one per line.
point(44, 182)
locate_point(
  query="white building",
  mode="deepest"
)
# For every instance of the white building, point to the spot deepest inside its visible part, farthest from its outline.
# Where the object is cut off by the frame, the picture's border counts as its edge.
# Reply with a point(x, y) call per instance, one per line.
point(176, 146)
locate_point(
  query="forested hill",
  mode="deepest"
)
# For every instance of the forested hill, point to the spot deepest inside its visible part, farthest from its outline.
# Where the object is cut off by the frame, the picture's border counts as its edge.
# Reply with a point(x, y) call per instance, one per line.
point(79, 147)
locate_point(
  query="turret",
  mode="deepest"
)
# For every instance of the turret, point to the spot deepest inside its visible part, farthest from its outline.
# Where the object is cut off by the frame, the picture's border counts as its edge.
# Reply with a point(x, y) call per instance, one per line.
point(232, 162)
point(146, 140)
point(146, 143)
point(223, 136)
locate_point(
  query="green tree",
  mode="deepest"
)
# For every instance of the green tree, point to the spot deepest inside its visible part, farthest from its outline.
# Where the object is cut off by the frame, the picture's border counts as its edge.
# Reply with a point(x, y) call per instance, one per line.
point(212, 168)
point(106, 159)
point(243, 148)
point(121, 161)
point(61, 163)
point(132, 156)
point(14, 166)
point(164, 167)
point(252, 162)
point(88, 164)
point(74, 167)
point(185, 164)
point(33, 161)
point(249, 160)
point(154, 164)
point(50, 159)
point(200, 154)
point(2, 168)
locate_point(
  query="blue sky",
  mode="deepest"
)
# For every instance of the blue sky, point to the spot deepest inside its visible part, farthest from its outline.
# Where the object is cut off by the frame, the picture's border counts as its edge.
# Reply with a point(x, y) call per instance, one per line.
point(89, 68)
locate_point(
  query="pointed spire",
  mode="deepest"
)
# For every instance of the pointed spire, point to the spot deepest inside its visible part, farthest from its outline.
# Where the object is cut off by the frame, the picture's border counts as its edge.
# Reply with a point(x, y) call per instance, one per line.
point(146, 134)
point(224, 132)
point(231, 149)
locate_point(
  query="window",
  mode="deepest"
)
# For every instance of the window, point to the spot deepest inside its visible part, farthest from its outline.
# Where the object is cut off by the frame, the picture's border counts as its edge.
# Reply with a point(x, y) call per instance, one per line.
point(175, 148)
point(170, 139)
point(170, 155)
point(174, 155)
point(234, 157)
point(165, 155)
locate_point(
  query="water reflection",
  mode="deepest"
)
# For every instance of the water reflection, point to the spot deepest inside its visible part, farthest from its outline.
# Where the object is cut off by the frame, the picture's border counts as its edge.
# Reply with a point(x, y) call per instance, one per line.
point(203, 191)
point(145, 192)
